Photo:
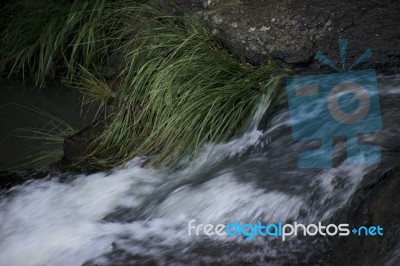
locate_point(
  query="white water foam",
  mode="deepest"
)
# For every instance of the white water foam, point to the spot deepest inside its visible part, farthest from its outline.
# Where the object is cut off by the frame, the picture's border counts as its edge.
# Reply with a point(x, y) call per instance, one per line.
point(49, 222)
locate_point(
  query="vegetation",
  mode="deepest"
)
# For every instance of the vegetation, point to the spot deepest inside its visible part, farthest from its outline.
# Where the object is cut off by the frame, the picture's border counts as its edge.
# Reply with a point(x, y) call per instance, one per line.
point(48, 39)
point(51, 137)
point(172, 88)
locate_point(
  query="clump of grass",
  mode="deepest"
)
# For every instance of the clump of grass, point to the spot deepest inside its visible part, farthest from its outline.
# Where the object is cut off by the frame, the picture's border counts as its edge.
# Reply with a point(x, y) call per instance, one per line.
point(45, 39)
point(180, 88)
point(50, 137)
point(177, 87)
point(94, 88)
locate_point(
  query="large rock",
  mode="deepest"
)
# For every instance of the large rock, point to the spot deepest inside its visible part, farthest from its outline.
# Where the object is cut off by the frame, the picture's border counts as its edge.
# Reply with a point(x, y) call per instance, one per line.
point(376, 203)
point(293, 31)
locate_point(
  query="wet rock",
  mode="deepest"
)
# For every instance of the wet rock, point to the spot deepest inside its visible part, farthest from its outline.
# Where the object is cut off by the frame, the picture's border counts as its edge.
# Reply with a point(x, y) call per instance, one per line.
point(377, 203)
point(79, 145)
point(293, 31)
point(8, 180)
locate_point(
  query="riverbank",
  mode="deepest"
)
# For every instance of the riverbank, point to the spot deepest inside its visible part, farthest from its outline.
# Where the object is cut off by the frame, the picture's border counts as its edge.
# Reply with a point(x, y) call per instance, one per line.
point(213, 95)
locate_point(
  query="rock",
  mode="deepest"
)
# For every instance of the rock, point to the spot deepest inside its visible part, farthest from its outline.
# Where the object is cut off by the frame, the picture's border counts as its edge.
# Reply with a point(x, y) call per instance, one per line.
point(293, 31)
point(8, 180)
point(377, 203)
point(78, 145)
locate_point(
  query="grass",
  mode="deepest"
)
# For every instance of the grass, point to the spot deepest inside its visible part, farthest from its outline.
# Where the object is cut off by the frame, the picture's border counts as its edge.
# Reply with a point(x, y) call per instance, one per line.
point(47, 39)
point(94, 87)
point(177, 87)
point(50, 138)
point(180, 88)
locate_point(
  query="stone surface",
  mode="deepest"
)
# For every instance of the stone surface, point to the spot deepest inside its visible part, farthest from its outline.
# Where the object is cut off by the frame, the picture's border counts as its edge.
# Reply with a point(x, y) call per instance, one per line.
point(377, 203)
point(293, 31)
point(79, 145)
point(9, 180)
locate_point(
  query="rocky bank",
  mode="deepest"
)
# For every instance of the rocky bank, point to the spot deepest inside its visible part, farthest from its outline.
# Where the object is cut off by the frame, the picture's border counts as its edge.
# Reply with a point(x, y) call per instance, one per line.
point(293, 31)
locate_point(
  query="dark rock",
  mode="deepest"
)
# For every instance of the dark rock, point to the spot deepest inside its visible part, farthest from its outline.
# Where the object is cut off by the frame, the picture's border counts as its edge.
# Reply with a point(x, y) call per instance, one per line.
point(8, 180)
point(377, 203)
point(293, 31)
point(79, 145)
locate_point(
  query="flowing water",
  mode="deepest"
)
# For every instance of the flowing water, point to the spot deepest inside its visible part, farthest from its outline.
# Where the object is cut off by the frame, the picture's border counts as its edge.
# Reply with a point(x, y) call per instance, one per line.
point(140, 216)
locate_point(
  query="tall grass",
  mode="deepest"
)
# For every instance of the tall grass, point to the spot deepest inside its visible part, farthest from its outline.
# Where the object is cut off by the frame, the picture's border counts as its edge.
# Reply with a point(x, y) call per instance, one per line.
point(177, 87)
point(49, 140)
point(180, 88)
point(45, 39)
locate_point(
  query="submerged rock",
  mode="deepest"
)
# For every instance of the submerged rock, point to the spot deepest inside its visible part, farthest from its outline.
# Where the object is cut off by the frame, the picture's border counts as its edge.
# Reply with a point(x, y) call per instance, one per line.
point(293, 31)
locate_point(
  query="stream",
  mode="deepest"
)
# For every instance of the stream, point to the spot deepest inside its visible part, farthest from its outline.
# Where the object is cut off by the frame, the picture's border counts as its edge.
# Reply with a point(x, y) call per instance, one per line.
point(139, 216)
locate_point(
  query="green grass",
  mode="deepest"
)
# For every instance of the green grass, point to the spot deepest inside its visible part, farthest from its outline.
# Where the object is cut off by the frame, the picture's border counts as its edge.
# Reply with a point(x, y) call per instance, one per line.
point(180, 88)
point(47, 39)
point(94, 87)
point(175, 88)
point(49, 139)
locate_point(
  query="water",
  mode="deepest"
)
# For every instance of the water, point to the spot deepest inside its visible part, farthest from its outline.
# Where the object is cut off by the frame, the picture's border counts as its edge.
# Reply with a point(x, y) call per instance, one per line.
point(140, 216)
